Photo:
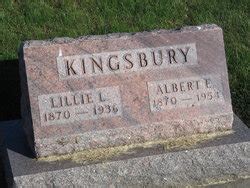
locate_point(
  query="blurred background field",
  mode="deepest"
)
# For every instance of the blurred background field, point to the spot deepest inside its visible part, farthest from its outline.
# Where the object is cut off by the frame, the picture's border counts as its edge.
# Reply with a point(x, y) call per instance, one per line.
point(25, 19)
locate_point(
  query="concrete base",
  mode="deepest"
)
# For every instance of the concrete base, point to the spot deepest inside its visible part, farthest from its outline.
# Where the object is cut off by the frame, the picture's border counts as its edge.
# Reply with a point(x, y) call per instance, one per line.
point(215, 161)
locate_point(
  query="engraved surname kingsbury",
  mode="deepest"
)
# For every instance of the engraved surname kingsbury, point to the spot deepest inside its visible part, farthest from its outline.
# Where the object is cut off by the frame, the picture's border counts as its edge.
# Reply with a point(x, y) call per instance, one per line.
point(126, 61)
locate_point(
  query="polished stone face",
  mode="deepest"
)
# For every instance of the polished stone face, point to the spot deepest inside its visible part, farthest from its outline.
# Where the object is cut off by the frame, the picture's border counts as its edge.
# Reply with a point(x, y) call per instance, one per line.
point(102, 91)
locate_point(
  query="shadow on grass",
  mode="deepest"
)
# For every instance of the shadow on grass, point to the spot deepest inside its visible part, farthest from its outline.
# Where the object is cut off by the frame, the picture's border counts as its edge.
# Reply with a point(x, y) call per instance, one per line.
point(10, 90)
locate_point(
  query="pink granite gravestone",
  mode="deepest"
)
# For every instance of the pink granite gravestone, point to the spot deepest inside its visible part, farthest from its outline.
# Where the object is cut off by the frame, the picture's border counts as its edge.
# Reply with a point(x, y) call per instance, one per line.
point(117, 89)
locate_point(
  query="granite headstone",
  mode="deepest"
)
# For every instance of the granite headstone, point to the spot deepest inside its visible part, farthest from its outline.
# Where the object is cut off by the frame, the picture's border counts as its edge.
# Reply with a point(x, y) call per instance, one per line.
point(117, 89)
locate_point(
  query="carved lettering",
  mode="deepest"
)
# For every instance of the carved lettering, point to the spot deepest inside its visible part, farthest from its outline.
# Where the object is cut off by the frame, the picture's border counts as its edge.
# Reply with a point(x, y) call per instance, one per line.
point(96, 64)
point(171, 55)
point(159, 62)
point(123, 61)
point(113, 65)
point(83, 67)
point(69, 68)
point(143, 60)
point(187, 92)
point(69, 107)
point(129, 64)
point(184, 53)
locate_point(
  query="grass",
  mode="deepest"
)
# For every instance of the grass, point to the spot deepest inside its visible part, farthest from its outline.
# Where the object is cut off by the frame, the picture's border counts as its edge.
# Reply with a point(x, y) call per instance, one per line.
point(23, 19)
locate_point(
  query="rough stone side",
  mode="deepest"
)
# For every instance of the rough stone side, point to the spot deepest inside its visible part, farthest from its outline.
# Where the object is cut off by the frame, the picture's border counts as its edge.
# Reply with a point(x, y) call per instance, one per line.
point(65, 40)
point(26, 116)
point(137, 134)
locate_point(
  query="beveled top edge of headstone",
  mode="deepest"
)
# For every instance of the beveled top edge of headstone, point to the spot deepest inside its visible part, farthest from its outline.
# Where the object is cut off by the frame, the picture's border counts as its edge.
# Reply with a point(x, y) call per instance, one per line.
point(66, 40)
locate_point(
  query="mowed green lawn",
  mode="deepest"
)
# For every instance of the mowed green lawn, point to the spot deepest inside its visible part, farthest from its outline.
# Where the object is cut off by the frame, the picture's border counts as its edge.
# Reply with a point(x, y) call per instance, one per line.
point(23, 20)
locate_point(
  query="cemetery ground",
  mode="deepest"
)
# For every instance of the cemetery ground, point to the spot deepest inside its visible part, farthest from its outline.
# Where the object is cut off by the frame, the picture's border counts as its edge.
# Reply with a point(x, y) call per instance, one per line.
point(26, 20)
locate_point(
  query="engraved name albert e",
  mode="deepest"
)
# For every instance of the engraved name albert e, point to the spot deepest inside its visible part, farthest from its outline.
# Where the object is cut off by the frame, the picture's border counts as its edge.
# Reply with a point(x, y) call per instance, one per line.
point(184, 92)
